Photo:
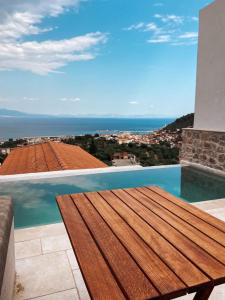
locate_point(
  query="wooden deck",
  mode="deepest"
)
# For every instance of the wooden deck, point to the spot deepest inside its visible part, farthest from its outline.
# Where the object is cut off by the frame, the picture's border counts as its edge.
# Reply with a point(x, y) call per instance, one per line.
point(143, 243)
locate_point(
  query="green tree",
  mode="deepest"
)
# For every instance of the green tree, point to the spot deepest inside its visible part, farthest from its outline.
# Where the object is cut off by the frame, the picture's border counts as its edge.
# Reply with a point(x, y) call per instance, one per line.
point(92, 148)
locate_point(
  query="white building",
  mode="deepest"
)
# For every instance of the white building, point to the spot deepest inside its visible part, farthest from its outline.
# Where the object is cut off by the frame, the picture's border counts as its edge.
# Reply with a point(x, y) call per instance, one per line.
point(210, 91)
point(205, 144)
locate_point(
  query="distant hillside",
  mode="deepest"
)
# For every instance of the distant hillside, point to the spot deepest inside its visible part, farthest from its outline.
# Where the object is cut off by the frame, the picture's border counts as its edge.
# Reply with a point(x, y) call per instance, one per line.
point(183, 122)
point(15, 113)
point(11, 113)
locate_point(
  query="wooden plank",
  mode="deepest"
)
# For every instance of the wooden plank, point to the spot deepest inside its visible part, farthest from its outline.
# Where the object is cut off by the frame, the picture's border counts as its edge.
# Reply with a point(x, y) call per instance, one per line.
point(192, 209)
point(97, 275)
point(179, 234)
point(128, 209)
point(152, 201)
point(188, 217)
point(131, 278)
point(164, 280)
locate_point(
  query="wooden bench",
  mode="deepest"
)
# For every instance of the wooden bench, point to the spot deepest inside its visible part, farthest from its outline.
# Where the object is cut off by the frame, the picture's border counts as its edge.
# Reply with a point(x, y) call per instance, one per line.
point(144, 243)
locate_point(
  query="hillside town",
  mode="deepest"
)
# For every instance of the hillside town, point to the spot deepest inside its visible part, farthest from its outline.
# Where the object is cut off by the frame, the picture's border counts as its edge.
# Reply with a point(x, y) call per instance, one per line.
point(154, 138)
point(173, 138)
point(120, 149)
point(122, 155)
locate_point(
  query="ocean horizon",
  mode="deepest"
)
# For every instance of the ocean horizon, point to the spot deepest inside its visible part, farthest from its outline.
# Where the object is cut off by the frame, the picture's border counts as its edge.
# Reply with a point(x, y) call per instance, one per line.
point(19, 127)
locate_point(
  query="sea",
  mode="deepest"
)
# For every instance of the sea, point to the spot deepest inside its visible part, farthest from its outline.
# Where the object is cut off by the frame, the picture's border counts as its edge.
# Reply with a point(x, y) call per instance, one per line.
point(19, 127)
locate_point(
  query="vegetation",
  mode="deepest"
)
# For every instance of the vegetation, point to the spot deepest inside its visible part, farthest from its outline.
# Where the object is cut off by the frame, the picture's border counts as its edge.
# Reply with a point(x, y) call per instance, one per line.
point(10, 144)
point(147, 155)
point(183, 122)
point(13, 143)
point(2, 157)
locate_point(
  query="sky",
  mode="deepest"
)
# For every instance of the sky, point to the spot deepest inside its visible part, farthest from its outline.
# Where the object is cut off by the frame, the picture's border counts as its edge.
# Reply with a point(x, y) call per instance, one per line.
point(99, 57)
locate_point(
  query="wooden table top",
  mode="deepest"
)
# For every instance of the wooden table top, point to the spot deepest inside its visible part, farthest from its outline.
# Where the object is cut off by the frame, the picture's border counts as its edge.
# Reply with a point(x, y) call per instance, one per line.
point(143, 243)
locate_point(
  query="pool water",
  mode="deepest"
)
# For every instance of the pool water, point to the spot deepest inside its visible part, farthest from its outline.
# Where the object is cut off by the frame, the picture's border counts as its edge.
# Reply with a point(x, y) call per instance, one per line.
point(34, 200)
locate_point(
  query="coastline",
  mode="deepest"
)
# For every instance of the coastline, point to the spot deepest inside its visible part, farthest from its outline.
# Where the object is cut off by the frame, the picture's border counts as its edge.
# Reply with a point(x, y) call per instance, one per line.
point(15, 128)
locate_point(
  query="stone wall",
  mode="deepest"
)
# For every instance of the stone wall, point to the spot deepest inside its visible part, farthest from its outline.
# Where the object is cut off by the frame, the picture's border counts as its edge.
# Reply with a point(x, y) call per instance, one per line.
point(203, 147)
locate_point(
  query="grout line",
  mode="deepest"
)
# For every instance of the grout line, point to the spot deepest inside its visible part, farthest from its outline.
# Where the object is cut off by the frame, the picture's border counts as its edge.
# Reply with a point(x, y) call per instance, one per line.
point(73, 275)
point(77, 268)
point(38, 228)
point(59, 251)
point(41, 246)
point(48, 294)
point(26, 241)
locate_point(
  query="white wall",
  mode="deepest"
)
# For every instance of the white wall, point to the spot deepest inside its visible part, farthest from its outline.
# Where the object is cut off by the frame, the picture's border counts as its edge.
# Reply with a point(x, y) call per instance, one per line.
point(210, 91)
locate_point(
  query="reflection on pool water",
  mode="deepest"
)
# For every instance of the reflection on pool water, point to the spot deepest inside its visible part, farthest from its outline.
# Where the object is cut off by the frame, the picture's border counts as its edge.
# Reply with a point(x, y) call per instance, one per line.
point(34, 200)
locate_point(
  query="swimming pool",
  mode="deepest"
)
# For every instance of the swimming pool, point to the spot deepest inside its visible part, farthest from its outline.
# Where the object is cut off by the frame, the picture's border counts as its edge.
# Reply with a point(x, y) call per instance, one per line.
point(34, 200)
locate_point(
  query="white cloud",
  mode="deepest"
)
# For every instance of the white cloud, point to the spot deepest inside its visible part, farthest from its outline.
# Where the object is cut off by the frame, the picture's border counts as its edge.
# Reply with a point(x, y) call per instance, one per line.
point(186, 39)
point(167, 29)
point(195, 19)
point(20, 24)
point(170, 18)
point(189, 35)
point(133, 102)
point(48, 56)
point(160, 39)
point(151, 27)
point(3, 100)
point(30, 99)
point(21, 18)
point(71, 99)
point(135, 26)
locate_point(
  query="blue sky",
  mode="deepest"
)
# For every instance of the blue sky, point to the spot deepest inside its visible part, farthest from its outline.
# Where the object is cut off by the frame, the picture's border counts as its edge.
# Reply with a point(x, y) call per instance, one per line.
point(99, 57)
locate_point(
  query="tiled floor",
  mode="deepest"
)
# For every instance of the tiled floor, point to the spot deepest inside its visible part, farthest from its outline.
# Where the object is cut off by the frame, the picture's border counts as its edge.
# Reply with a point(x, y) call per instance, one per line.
point(47, 269)
point(46, 266)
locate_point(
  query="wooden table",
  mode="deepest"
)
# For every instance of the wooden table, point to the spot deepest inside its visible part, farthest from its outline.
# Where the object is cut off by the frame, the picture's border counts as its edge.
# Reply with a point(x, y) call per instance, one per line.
point(143, 243)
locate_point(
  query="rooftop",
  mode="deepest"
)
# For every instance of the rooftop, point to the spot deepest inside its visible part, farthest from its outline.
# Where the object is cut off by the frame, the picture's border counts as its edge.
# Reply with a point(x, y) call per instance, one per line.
point(48, 156)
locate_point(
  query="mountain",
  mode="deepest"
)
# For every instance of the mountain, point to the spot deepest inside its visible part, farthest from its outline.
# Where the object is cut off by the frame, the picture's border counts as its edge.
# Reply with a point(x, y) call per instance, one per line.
point(11, 113)
point(186, 121)
point(15, 113)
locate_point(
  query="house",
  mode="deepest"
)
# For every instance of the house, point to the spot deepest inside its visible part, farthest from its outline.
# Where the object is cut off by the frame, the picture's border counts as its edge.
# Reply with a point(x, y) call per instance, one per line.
point(120, 159)
point(5, 151)
point(48, 156)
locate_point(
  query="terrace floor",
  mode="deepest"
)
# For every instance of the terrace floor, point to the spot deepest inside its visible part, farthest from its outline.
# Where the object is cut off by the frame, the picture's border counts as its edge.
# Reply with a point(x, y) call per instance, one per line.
point(47, 269)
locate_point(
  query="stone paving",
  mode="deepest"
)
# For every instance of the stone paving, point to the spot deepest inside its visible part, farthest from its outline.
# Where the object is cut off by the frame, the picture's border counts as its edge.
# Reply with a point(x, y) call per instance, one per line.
point(47, 268)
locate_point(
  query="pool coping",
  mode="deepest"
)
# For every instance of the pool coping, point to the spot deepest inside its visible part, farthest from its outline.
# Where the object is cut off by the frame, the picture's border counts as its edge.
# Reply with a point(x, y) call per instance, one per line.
point(67, 173)
point(203, 168)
